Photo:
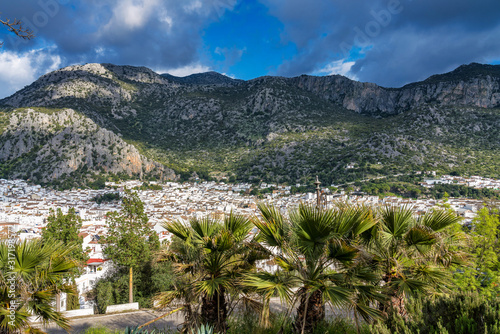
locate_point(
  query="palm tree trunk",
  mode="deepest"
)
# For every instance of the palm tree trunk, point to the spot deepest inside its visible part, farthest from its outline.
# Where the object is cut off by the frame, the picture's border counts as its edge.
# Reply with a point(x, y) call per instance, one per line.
point(396, 301)
point(130, 287)
point(305, 313)
point(310, 312)
point(214, 311)
point(58, 302)
point(357, 320)
point(189, 319)
point(399, 305)
point(264, 316)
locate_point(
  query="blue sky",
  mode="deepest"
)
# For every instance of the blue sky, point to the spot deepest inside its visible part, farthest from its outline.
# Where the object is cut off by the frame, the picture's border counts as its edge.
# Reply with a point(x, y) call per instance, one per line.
point(246, 42)
point(389, 42)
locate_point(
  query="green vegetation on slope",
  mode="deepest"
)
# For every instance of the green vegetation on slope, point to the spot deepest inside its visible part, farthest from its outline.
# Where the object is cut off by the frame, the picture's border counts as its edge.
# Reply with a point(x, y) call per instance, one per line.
point(270, 128)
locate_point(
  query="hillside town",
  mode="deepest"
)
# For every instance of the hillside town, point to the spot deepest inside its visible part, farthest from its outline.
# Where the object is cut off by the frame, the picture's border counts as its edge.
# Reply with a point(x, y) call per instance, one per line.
point(24, 209)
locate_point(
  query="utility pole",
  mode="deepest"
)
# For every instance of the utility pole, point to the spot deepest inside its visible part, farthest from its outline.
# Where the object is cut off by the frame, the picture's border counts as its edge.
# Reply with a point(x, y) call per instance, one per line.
point(318, 195)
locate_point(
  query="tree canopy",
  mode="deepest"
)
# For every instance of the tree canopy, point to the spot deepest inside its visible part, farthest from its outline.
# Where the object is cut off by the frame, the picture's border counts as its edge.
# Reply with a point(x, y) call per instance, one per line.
point(65, 228)
point(129, 240)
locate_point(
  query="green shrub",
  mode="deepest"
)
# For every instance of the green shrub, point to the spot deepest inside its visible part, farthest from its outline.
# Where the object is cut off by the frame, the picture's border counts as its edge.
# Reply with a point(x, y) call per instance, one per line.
point(104, 295)
point(101, 330)
point(465, 313)
point(149, 279)
point(106, 198)
point(73, 303)
point(248, 324)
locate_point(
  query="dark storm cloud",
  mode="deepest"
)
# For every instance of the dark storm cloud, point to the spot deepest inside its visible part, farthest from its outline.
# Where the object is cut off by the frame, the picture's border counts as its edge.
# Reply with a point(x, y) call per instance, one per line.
point(154, 33)
point(390, 42)
point(415, 56)
point(395, 42)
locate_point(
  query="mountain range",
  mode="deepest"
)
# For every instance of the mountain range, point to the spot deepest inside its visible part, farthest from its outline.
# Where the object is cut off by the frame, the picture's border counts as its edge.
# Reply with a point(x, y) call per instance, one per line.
point(87, 122)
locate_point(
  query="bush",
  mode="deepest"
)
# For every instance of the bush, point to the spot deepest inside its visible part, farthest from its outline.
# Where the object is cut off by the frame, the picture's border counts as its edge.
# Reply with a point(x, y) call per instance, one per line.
point(104, 295)
point(106, 198)
point(73, 302)
point(101, 330)
point(248, 324)
point(465, 313)
point(148, 280)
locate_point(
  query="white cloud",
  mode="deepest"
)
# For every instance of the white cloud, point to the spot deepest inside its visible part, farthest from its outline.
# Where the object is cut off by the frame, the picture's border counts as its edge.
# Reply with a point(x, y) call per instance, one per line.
point(185, 70)
point(130, 15)
point(20, 69)
point(193, 6)
point(100, 51)
point(165, 18)
point(341, 67)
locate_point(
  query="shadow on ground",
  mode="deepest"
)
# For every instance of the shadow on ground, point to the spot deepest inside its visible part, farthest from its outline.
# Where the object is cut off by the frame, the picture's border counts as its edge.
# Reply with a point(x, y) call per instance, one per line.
point(119, 322)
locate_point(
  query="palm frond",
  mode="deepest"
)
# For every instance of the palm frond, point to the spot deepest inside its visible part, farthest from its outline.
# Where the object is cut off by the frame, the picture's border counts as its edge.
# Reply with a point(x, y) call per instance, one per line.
point(164, 299)
point(431, 274)
point(340, 251)
point(336, 295)
point(439, 219)
point(369, 294)
point(408, 287)
point(272, 227)
point(40, 268)
point(204, 228)
point(178, 229)
point(270, 284)
point(238, 225)
point(421, 237)
point(312, 226)
point(366, 312)
point(285, 264)
point(211, 286)
point(396, 220)
point(353, 220)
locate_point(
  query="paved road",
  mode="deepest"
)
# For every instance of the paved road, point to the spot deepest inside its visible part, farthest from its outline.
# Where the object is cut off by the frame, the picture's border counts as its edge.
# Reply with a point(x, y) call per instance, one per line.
point(137, 318)
point(119, 321)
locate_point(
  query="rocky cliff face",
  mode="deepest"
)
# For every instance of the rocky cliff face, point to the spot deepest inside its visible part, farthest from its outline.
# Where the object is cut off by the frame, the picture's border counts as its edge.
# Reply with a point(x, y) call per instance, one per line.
point(466, 86)
point(47, 144)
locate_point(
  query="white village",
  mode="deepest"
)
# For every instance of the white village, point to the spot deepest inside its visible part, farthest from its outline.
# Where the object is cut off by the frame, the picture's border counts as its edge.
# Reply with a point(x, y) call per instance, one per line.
point(24, 209)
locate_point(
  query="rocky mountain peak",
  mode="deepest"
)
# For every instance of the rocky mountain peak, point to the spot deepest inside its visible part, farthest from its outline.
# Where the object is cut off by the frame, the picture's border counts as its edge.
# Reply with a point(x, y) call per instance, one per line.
point(105, 71)
point(206, 78)
point(463, 73)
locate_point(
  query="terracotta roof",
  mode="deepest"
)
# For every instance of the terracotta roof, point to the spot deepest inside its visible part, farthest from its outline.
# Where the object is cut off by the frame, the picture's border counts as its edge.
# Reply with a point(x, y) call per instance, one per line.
point(95, 261)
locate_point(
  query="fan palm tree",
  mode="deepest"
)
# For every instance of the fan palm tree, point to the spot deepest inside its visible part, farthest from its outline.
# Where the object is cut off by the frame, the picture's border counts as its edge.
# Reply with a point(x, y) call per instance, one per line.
point(413, 253)
point(214, 253)
point(182, 293)
point(32, 273)
point(185, 257)
point(318, 260)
